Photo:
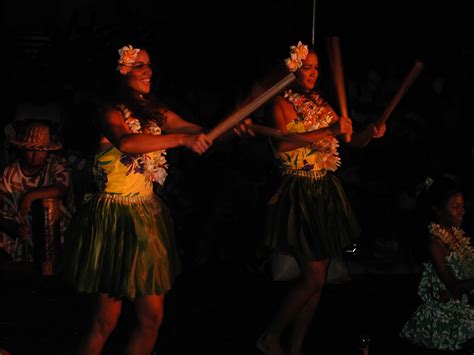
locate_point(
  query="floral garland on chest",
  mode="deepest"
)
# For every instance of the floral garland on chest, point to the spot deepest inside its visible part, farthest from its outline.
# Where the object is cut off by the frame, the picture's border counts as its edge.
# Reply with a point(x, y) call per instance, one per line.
point(153, 164)
point(455, 238)
point(314, 113)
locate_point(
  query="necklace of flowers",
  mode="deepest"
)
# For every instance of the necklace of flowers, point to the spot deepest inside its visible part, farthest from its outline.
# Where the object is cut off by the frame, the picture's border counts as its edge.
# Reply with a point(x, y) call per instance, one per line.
point(312, 113)
point(455, 237)
point(154, 163)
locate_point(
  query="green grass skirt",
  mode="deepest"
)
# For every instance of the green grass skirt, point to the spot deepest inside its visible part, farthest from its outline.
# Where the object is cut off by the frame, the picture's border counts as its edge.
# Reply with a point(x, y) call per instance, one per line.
point(310, 218)
point(122, 246)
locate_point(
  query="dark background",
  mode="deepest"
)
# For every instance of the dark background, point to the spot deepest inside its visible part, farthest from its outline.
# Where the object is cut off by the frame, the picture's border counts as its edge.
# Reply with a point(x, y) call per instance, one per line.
point(206, 58)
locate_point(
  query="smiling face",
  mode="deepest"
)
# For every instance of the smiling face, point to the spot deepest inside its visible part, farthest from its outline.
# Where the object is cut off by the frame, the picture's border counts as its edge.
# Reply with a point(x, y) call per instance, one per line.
point(451, 215)
point(307, 75)
point(138, 78)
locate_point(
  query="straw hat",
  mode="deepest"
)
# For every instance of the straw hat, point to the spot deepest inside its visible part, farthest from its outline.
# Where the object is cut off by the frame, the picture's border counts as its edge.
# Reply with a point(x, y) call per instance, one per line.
point(36, 137)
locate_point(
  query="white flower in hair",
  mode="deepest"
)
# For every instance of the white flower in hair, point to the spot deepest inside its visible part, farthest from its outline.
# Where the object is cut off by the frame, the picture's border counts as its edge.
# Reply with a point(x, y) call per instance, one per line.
point(298, 53)
point(292, 65)
point(428, 182)
point(128, 56)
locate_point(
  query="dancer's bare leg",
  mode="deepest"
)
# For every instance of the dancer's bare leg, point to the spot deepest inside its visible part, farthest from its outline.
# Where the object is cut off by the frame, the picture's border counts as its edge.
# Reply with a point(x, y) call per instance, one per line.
point(106, 314)
point(305, 294)
point(149, 311)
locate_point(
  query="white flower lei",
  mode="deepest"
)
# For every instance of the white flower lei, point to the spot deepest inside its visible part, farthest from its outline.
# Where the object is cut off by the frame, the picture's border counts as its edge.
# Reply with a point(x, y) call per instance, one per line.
point(154, 162)
point(460, 244)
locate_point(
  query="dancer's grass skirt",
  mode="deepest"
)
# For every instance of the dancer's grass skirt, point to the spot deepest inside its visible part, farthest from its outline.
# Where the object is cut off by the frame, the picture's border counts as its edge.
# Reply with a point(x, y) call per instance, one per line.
point(310, 218)
point(122, 246)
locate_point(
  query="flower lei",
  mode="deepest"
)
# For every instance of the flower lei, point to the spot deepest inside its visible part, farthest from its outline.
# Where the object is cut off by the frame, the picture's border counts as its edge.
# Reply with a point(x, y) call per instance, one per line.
point(154, 163)
point(128, 56)
point(312, 111)
point(297, 54)
point(457, 240)
point(313, 114)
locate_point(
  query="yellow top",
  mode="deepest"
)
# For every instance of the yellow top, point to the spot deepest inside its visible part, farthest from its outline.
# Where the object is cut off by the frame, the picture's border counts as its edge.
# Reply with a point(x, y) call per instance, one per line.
point(131, 174)
point(121, 174)
point(313, 113)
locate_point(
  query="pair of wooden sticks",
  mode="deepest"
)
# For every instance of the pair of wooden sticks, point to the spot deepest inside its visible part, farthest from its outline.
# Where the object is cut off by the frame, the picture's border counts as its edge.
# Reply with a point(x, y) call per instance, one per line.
point(335, 59)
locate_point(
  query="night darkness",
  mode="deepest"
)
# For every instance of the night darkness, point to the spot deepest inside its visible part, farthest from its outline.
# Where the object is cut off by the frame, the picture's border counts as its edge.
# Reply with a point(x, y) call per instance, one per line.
point(206, 58)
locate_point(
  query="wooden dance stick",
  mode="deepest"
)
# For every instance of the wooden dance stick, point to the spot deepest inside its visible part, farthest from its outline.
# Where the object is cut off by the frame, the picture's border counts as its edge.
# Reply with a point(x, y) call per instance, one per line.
point(407, 82)
point(335, 59)
point(276, 133)
point(248, 108)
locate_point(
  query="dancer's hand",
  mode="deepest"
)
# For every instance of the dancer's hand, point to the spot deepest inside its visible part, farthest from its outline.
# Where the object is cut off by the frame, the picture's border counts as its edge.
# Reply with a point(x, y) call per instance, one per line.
point(198, 143)
point(243, 128)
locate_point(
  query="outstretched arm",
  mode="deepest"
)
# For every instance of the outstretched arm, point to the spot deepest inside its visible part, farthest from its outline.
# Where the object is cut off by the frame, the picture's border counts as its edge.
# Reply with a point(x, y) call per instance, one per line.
point(175, 124)
point(117, 133)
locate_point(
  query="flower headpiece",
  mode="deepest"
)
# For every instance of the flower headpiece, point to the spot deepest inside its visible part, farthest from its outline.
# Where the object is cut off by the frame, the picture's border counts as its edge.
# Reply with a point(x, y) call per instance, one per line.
point(428, 182)
point(128, 56)
point(297, 54)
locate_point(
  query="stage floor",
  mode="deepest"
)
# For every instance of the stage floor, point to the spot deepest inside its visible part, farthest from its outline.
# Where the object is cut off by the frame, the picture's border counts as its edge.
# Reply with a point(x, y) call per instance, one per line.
point(215, 309)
